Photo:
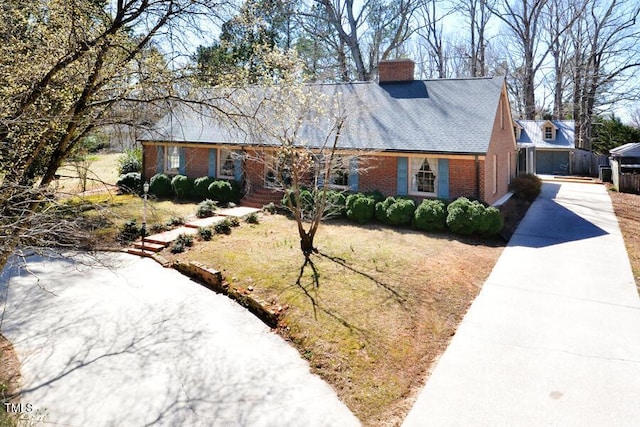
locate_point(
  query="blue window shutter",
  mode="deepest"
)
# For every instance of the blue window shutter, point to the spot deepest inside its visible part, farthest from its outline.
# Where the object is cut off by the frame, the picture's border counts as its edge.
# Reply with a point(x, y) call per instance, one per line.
point(212, 162)
point(443, 178)
point(159, 159)
point(182, 169)
point(353, 174)
point(237, 168)
point(403, 176)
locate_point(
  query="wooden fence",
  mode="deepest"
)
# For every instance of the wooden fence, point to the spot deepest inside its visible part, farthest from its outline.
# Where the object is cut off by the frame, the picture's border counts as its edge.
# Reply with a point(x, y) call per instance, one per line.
point(630, 183)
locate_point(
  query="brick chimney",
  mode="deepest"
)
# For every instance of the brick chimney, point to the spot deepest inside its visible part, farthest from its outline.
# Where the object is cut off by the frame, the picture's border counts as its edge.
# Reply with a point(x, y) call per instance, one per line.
point(397, 70)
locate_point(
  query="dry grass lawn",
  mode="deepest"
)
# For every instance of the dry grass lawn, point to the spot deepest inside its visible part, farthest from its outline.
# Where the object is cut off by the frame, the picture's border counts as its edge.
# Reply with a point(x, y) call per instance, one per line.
point(102, 174)
point(627, 208)
point(381, 314)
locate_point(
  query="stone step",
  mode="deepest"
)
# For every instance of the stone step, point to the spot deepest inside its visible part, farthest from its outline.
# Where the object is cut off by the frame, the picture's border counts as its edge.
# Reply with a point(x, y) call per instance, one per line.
point(149, 246)
point(140, 252)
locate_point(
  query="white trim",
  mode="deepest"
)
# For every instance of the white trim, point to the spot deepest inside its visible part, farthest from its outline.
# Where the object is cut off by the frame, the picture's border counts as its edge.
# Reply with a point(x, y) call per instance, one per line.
point(433, 165)
point(167, 156)
point(219, 173)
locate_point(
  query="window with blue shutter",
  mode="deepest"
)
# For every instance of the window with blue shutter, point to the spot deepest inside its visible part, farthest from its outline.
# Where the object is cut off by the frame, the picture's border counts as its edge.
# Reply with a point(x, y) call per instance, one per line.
point(182, 161)
point(402, 176)
point(159, 159)
point(443, 178)
point(212, 162)
point(353, 174)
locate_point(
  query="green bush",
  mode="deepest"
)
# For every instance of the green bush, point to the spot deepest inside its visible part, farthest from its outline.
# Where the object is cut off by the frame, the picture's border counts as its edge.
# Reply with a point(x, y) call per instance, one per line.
point(201, 187)
point(252, 218)
point(224, 192)
point(306, 197)
point(205, 233)
point(375, 195)
point(182, 187)
point(430, 215)
point(223, 227)
point(336, 205)
point(160, 185)
point(464, 216)
point(206, 208)
point(129, 183)
point(360, 208)
point(185, 239)
point(526, 187)
point(491, 222)
point(401, 212)
point(381, 209)
point(130, 161)
point(175, 221)
point(129, 232)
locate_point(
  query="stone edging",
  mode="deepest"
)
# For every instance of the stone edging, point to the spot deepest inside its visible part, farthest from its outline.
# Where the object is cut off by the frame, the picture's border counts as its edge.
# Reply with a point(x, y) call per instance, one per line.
point(213, 280)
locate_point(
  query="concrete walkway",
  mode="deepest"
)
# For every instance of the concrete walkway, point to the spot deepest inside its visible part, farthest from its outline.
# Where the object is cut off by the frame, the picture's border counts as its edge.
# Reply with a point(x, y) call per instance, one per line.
point(554, 336)
point(121, 341)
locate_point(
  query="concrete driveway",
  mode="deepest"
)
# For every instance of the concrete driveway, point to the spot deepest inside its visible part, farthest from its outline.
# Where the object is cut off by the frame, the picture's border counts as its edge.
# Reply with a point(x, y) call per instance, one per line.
point(553, 338)
point(121, 341)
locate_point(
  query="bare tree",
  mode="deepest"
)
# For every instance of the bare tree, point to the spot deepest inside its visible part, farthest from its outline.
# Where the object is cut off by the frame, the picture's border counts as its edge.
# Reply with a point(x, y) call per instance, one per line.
point(85, 59)
point(429, 17)
point(371, 31)
point(606, 58)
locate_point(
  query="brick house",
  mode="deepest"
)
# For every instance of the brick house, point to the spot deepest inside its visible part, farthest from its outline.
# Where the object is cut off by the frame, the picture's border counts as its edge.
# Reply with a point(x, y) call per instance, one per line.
point(429, 138)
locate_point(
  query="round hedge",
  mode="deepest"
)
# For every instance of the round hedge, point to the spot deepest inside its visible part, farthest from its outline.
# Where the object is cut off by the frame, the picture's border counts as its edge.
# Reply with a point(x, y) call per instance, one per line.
point(381, 208)
point(129, 183)
point(201, 187)
point(182, 186)
point(360, 208)
point(160, 185)
point(221, 191)
point(336, 204)
point(464, 216)
point(401, 212)
point(430, 215)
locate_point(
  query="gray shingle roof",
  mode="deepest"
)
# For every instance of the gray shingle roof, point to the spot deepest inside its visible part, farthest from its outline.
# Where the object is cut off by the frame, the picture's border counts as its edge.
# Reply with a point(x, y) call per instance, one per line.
point(532, 134)
point(631, 149)
point(440, 116)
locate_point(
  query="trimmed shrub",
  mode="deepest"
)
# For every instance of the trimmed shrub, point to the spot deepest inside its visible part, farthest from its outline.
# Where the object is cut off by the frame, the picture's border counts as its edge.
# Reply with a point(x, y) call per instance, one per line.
point(381, 208)
point(221, 191)
point(201, 187)
point(175, 221)
point(491, 222)
point(160, 185)
point(130, 161)
point(463, 216)
point(360, 208)
point(526, 187)
point(129, 183)
point(206, 208)
point(401, 212)
point(336, 205)
point(185, 239)
point(306, 197)
point(182, 186)
point(430, 215)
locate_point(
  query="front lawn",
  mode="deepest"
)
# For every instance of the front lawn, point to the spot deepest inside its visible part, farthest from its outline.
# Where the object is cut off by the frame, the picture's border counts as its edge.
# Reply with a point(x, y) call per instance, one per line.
point(627, 209)
point(386, 307)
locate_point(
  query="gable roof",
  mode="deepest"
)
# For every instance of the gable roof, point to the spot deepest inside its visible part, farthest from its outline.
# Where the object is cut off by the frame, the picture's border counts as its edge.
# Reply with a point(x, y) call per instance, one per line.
point(631, 149)
point(532, 133)
point(438, 116)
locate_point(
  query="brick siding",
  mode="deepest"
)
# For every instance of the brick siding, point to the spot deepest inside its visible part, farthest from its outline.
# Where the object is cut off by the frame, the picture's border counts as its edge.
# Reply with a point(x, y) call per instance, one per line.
point(197, 162)
point(379, 173)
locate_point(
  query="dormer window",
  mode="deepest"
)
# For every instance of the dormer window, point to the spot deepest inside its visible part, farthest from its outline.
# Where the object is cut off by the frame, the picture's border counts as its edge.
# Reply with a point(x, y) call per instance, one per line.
point(517, 130)
point(548, 131)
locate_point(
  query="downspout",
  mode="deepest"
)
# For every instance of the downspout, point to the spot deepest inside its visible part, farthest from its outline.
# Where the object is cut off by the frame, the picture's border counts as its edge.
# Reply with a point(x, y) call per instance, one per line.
point(477, 177)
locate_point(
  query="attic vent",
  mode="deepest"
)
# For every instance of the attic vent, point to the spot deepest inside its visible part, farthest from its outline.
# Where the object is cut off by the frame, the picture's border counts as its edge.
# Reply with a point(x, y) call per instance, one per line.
point(397, 70)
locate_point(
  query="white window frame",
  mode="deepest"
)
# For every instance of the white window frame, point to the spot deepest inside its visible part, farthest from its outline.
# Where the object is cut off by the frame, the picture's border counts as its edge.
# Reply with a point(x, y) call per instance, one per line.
point(433, 166)
point(551, 133)
point(172, 158)
point(219, 173)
